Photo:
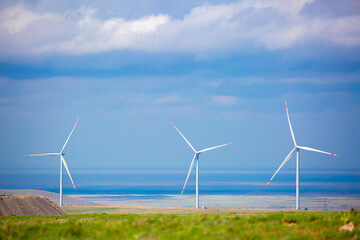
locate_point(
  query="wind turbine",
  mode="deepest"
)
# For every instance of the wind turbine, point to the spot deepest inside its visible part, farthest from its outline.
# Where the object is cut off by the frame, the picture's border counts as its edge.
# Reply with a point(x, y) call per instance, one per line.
point(297, 149)
point(196, 157)
point(62, 161)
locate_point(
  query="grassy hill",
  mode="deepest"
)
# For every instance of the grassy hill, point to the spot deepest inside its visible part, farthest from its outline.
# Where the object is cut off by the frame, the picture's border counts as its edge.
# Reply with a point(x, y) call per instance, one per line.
point(268, 225)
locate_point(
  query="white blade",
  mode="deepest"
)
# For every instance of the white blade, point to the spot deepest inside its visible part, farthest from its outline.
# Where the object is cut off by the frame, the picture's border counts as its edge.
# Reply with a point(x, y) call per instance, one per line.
point(282, 164)
point(67, 169)
point(291, 130)
point(207, 149)
point(315, 150)
point(191, 167)
point(183, 137)
point(69, 136)
point(42, 154)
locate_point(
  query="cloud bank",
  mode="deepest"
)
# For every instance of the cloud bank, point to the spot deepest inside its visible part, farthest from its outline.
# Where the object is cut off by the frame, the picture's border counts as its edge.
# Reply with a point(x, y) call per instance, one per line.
point(239, 26)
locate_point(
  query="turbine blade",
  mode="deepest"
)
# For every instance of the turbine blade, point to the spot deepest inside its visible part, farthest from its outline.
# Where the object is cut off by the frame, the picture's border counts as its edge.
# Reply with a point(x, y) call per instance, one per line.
point(207, 149)
point(291, 130)
point(183, 137)
point(315, 150)
point(282, 164)
point(42, 154)
point(191, 167)
point(67, 169)
point(69, 136)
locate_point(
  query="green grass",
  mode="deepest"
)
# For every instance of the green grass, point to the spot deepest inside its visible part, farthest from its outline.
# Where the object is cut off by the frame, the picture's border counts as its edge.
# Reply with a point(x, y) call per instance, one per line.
point(279, 225)
point(72, 210)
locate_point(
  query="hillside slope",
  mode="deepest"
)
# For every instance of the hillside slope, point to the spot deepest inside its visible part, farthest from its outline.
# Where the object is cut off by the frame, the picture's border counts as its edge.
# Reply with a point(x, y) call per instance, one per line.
point(68, 201)
point(28, 205)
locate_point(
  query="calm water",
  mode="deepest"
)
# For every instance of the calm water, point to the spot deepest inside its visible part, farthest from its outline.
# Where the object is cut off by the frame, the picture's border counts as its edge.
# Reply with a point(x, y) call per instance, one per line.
point(109, 187)
point(215, 182)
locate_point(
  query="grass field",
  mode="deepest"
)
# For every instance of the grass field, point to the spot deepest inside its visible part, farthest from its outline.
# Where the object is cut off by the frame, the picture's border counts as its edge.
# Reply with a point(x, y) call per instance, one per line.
point(156, 210)
point(269, 225)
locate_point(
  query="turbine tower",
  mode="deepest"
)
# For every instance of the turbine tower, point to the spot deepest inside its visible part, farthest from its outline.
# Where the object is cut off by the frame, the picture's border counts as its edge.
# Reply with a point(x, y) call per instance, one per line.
point(196, 157)
point(297, 149)
point(62, 162)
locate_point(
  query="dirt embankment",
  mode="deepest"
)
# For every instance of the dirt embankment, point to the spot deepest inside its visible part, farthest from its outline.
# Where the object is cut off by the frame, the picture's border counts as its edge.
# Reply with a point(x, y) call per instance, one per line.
point(68, 201)
point(28, 205)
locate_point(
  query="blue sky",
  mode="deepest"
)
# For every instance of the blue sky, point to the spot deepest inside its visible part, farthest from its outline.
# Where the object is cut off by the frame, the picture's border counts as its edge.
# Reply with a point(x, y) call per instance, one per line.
point(219, 70)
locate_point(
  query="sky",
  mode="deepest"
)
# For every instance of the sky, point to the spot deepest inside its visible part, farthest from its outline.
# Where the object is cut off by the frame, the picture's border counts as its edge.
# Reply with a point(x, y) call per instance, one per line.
point(219, 70)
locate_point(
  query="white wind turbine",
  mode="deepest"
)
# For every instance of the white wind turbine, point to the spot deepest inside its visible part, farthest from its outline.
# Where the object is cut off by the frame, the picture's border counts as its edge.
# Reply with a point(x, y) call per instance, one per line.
point(297, 149)
point(62, 161)
point(196, 157)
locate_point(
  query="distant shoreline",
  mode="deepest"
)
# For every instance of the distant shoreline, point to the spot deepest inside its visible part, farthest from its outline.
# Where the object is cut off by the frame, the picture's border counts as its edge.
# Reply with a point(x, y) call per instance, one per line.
point(281, 202)
point(164, 210)
point(246, 201)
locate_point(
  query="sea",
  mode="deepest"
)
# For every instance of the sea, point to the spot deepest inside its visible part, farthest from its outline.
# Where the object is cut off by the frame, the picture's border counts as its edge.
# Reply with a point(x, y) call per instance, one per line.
point(226, 188)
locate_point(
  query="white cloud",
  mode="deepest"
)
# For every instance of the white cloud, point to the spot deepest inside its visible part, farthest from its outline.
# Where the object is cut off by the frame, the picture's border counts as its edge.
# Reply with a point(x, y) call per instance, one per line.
point(214, 84)
point(4, 100)
point(239, 26)
point(16, 18)
point(94, 35)
point(169, 99)
point(283, 38)
point(224, 100)
point(3, 81)
point(285, 7)
point(345, 31)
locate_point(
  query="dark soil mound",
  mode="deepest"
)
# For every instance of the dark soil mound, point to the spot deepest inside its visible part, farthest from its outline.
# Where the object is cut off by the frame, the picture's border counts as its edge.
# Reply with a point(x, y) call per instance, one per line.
point(68, 201)
point(28, 205)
